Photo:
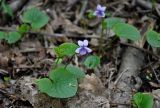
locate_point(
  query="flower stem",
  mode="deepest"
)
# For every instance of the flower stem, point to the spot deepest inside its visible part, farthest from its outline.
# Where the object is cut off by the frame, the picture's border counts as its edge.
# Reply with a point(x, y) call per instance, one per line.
point(69, 62)
point(101, 40)
point(55, 65)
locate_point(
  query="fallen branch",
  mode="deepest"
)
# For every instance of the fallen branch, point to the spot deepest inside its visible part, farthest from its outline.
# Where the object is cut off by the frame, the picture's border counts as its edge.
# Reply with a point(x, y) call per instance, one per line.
point(55, 35)
point(147, 4)
point(142, 49)
point(18, 4)
point(144, 4)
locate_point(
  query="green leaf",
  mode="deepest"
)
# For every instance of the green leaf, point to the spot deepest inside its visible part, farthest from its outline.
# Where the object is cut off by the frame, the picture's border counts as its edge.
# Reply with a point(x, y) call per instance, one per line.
point(104, 24)
point(110, 22)
point(7, 9)
point(143, 100)
point(13, 37)
point(35, 17)
point(75, 71)
point(126, 31)
point(64, 84)
point(44, 84)
point(92, 61)
point(23, 28)
point(137, 99)
point(65, 49)
point(58, 60)
point(153, 38)
point(6, 79)
point(90, 14)
point(2, 35)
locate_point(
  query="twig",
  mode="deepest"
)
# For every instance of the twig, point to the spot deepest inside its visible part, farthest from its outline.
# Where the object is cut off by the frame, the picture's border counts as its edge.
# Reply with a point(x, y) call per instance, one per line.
point(158, 11)
point(142, 49)
point(18, 4)
point(115, 104)
point(3, 71)
point(85, 2)
point(144, 4)
point(30, 50)
point(115, 3)
point(153, 70)
point(7, 94)
point(110, 76)
point(55, 35)
point(119, 77)
point(27, 67)
point(71, 4)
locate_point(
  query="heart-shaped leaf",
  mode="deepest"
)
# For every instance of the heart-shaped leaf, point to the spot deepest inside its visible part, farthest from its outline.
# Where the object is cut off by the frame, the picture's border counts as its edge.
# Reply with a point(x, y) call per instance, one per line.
point(64, 84)
point(35, 17)
point(65, 49)
point(110, 22)
point(2, 35)
point(75, 71)
point(92, 61)
point(13, 37)
point(44, 84)
point(126, 31)
point(7, 9)
point(153, 38)
point(143, 100)
point(90, 14)
point(23, 28)
point(61, 84)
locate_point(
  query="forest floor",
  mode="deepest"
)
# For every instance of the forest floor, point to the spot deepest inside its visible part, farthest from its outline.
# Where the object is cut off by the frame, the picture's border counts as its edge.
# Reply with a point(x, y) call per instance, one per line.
point(126, 67)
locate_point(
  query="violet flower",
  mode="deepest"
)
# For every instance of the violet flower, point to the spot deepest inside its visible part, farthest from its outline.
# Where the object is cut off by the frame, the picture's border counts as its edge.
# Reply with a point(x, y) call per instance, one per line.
point(83, 49)
point(100, 11)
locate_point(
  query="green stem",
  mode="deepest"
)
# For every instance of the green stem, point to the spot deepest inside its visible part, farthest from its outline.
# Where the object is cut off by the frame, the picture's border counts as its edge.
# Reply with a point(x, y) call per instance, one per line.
point(69, 62)
point(101, 39)
point(56, 63)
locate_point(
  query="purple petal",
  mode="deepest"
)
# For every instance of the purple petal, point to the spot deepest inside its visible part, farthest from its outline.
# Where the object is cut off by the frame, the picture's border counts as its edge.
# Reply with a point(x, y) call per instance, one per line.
point(85, 42)
point(95, 13)
point(103, 8)
point(78, 50)
point(83, 51)
point(103, 14)
point(100, 14)
point(88, 49)
point(80, 43)
point(99, 7)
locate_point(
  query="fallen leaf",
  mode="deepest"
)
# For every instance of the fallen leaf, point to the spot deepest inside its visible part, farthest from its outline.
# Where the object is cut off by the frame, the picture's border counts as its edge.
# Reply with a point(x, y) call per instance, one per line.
point(92, 83)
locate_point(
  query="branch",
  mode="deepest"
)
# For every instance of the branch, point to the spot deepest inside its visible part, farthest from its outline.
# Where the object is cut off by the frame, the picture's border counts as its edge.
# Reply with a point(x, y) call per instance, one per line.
point(56, 35)
point(142, 49)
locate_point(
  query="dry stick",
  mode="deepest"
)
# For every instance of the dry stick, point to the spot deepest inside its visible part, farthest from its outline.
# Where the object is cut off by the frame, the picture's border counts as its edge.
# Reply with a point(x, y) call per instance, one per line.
point(115, 3)
point(3, 71)
point(7, 94)
point(27, 67)
point(119, 77)
point(153, 70)
point(158, 11)
point(147, 4)
point(56, 35)
point(30, 50)
point(113, 104)
point(70, 5)
point(85, 2)
point(18, 4)
point(144, 4)
point(142, 49)
point(86, 36)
